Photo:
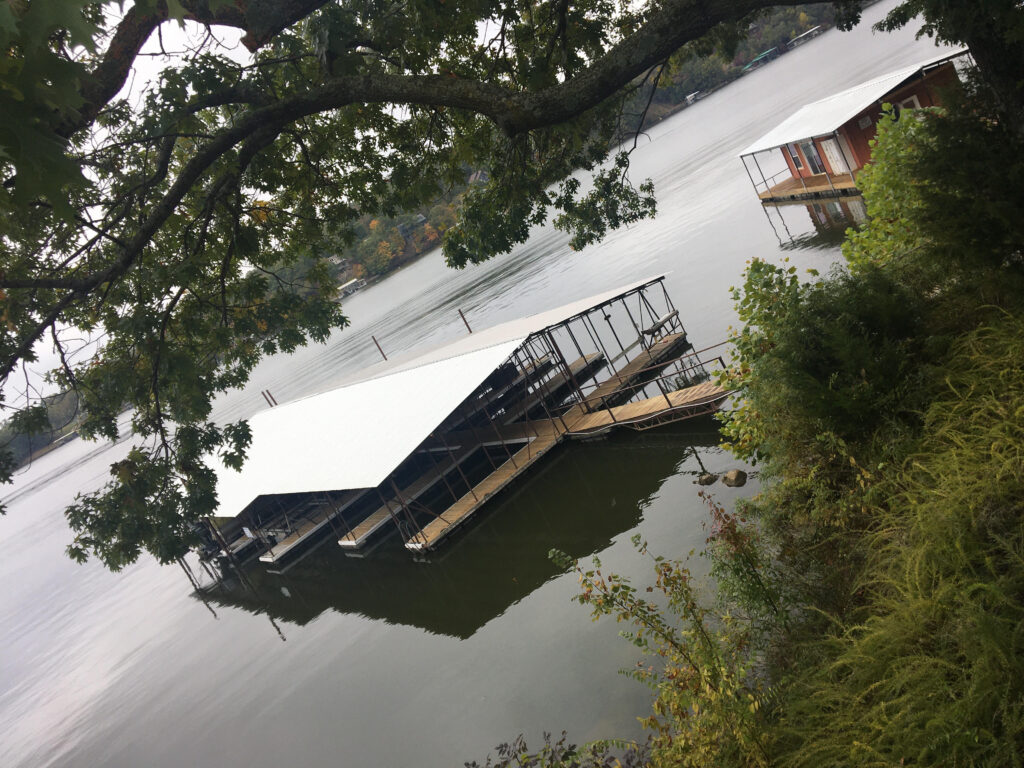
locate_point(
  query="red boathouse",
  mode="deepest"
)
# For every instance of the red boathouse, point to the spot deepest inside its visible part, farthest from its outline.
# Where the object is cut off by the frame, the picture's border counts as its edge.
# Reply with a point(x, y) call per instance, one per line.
point(817, 152)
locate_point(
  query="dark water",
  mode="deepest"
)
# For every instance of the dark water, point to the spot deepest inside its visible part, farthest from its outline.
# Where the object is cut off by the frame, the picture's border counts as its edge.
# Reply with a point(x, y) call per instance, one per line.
point(384, 661)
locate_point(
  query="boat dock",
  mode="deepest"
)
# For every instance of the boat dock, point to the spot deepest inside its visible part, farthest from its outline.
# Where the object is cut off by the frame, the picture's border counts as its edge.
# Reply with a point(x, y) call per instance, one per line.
point(421, 445)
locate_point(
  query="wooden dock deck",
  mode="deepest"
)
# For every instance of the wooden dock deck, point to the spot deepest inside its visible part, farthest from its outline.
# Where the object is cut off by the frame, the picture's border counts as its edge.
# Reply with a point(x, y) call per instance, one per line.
point(312, 522)
point(464, 508)
point(680, 403)
point(816, 187)
point(625, 381)
point(362, 532)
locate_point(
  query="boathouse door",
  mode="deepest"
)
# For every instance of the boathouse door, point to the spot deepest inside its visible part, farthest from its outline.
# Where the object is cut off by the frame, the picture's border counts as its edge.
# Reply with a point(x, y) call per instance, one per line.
point(834, 155)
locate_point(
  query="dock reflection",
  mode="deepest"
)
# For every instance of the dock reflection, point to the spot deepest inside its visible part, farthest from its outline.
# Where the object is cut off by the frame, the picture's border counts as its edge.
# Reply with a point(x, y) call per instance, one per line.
point(829, 220)
point(582, 499)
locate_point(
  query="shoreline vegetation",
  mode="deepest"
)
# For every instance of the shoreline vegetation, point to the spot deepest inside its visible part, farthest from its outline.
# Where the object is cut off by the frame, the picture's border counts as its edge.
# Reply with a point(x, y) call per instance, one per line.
point(869, 601)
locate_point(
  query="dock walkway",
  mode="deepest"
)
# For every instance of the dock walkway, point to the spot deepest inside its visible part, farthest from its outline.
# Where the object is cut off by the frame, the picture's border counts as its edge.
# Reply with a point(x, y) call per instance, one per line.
point(625, 381)
point(817, 187)
point(464, 508)
point(313, 521)
point(681, 403)
point(360, 533)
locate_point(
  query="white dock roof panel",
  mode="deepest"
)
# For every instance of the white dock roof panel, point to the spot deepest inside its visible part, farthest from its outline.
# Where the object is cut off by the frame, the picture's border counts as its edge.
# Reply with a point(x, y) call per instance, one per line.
point(354, 436)
point(823, 117)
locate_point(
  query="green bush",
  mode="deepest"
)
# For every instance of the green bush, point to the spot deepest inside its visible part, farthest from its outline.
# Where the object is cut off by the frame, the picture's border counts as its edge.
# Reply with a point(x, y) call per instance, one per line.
point(931, 670)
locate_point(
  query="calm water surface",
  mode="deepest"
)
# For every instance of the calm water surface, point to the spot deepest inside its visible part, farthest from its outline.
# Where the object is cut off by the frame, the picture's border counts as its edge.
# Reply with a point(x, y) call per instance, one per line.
point(383, 661)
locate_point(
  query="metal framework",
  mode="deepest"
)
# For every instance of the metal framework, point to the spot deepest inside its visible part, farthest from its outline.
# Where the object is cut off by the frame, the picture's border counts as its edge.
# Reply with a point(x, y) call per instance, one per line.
point(624, 361)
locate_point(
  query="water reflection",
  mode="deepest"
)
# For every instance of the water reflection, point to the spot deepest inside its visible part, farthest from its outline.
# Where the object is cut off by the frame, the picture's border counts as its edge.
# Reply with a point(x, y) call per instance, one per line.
point(829, 222)
point(582, 498)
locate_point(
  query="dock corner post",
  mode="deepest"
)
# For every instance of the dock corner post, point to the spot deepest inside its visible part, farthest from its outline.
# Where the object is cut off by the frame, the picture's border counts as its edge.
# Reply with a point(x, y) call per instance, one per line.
point(415, 530)
point(564, 363)
point(757, 165)
point(743, 159)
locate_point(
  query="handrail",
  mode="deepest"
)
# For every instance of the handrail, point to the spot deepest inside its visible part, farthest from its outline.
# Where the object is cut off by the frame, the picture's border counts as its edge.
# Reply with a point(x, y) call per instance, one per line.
point(770, 182)
point(671, 375)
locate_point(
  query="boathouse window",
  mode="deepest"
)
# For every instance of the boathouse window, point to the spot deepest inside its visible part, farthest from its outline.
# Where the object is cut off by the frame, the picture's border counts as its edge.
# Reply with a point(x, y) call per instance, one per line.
point(794, 156)
point(910, 103)
point(813, 159)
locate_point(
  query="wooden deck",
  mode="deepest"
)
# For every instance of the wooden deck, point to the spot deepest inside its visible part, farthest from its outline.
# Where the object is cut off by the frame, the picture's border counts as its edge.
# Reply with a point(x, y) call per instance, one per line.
point(680, 403)
point(623, 382)
point(312, 521)
point(359, 534)
point(464, 508)
point(556, 388)
point(816, 187)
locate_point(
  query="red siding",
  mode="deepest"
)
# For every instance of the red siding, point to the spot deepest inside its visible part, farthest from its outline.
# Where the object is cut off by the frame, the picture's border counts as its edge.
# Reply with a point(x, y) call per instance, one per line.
point(929, 93)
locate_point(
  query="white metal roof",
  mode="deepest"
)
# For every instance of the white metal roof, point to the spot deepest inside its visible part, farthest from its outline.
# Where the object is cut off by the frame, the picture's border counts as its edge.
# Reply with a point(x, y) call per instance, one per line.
point(356, 435)
point(353, 436)
point(823, 117)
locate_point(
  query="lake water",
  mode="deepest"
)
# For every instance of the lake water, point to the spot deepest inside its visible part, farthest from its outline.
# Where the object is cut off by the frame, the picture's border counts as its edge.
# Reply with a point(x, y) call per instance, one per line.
point(384, 661)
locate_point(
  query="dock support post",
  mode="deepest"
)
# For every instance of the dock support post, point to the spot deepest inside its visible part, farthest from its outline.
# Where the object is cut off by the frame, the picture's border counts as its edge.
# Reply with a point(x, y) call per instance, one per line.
point(497, 434)
point(543, 400)
point(596, 338)
point(444, 475)
point(608, 319)
point(391, 512)
point(611, 363)
point(549, 342)
point(637, 329)
point(758, 166)
point(565, 365)
point(407, 509)
point(529, 421)
point(458, 468)
point(746, 168)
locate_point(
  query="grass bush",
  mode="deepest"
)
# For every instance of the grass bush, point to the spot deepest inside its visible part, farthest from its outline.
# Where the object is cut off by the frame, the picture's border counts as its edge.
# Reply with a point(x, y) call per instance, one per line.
point(931, 671)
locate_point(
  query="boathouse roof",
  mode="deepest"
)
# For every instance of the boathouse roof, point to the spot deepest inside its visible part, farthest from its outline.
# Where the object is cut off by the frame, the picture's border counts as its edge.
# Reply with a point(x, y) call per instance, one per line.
point(356, 435)
point(827, 115)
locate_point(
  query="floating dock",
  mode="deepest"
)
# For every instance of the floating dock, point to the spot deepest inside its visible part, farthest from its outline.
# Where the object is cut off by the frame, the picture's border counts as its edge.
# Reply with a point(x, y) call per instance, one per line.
point(422, 444)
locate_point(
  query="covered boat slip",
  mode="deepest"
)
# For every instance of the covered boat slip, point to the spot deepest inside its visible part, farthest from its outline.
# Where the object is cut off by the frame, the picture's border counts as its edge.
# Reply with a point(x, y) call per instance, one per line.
point(422, 444)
